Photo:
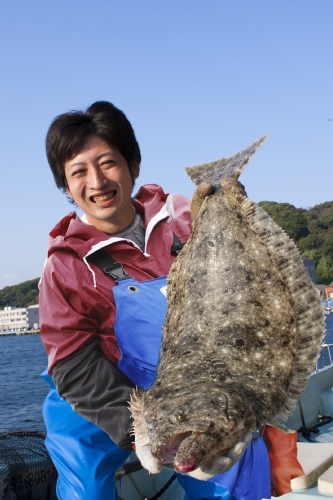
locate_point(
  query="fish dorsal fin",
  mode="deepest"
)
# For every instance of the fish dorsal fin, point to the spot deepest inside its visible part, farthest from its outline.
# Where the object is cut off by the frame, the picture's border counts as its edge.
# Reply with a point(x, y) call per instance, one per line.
point(305, 300)
point(213, 172)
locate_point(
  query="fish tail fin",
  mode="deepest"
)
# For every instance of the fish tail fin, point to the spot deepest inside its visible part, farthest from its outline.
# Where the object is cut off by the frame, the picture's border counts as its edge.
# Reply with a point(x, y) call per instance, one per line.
point(213, 172)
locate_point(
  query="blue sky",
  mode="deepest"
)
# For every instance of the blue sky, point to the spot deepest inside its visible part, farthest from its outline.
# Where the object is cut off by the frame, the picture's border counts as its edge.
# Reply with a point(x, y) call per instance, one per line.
point(199, 80)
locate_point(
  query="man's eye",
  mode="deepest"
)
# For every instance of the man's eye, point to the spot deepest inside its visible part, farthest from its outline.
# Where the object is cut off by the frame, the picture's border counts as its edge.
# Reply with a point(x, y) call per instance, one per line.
point(76, 173)
point(107, 163)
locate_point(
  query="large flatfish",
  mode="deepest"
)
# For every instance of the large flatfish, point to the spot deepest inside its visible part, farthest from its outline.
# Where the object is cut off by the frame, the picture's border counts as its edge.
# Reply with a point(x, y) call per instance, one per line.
point(243, 329)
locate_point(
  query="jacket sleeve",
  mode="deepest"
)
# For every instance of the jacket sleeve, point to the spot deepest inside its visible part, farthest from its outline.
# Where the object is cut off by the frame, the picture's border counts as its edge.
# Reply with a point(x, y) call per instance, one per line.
point(97, 391)
point(73, 319)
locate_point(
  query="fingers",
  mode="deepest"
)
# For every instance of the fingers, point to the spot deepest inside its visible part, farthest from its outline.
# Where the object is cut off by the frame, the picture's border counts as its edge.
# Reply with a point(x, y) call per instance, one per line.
point(233, 187)
point(217, 466)
point(247, 438)
point(238, 449)
point(236, 452)
point(200, 475)
point(148, 461)
point(223, 463)
point(199, 195)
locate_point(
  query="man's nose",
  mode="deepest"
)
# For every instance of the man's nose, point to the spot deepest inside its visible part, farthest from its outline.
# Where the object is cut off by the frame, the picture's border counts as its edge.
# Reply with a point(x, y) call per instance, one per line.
point(97, 178)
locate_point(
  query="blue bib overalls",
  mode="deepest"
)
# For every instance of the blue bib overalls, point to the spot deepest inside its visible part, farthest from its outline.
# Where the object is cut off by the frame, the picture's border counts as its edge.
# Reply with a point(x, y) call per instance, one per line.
point(85, 456)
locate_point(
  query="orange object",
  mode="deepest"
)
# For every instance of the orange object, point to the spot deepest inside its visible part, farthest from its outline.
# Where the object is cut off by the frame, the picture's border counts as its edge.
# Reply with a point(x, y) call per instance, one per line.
point(282, 452)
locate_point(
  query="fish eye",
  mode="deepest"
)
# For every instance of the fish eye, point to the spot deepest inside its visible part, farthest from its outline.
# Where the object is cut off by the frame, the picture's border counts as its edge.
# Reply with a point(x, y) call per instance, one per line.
point(177, 418)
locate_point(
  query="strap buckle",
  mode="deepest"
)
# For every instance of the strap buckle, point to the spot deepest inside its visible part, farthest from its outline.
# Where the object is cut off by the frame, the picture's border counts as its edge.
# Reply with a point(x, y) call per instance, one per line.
point(116, 271)
point(108, 265)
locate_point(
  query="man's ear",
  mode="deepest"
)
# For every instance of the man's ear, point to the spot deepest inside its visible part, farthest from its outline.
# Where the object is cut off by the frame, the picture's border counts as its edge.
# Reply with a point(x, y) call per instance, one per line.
point(135, 170)
point(67, 191)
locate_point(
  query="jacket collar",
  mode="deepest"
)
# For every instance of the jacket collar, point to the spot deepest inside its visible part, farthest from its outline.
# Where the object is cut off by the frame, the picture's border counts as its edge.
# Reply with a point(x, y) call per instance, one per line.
point(150, 201)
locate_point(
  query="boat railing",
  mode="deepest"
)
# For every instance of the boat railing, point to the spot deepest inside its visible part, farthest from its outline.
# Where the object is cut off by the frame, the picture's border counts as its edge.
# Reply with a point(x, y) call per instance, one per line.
point(326, 358)
point(327, 305)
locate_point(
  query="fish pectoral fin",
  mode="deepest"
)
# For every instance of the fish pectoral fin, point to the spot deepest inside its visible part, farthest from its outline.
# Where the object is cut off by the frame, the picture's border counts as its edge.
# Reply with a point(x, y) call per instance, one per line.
point(201, 192)
point(276, 423)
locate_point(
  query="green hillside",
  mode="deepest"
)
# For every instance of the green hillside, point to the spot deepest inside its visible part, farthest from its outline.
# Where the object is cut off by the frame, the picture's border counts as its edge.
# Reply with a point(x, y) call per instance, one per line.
point(312, 231)
point(23, 295)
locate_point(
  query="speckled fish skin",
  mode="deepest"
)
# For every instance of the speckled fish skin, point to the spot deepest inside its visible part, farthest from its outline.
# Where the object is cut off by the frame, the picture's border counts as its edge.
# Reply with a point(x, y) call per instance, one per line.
point(243, 329)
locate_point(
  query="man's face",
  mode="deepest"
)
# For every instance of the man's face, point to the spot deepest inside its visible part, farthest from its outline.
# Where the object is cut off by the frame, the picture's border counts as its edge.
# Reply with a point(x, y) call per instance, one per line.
point(100, 183)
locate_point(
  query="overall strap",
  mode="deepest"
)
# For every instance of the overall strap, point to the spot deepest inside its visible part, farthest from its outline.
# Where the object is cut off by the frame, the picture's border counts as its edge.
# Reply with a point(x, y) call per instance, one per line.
point(115, 269)
point(176, 246)
point(108, 265)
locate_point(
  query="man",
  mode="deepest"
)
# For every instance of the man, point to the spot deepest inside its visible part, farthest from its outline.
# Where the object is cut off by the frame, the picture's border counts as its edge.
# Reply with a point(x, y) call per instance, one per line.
point(101, 338)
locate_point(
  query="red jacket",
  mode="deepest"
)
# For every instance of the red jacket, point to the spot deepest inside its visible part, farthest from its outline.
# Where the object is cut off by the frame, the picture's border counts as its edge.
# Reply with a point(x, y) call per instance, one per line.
point(76, 302)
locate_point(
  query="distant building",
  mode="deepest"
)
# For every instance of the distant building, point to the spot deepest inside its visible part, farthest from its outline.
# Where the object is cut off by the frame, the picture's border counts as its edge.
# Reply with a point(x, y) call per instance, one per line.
point(13, 318)
point(19, 318)
point(311, 269)
point(33, 317)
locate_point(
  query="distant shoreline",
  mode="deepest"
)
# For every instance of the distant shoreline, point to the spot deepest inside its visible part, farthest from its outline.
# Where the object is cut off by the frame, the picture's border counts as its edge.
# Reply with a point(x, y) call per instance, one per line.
point(27, 332)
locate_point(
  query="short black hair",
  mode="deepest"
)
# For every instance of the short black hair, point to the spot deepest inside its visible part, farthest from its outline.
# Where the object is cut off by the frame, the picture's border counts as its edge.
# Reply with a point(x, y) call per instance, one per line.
point(69, 132)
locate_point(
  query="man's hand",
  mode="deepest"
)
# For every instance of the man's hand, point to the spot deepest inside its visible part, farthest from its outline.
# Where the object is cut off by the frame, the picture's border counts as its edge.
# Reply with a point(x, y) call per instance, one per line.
point(230, 184)
point(217, 466)
point(223, 463)
point(198, 197)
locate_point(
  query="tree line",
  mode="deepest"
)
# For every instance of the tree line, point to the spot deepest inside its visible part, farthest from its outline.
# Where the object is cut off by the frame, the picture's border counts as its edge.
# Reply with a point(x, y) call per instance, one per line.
point(311, 230)
point(23, 295)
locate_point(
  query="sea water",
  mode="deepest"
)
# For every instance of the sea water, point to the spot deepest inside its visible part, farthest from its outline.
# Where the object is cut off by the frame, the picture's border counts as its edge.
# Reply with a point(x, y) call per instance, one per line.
point(22, 391)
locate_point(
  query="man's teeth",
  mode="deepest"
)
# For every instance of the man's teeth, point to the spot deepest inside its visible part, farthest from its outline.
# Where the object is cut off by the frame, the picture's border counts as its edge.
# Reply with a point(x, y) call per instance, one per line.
point(104, 197)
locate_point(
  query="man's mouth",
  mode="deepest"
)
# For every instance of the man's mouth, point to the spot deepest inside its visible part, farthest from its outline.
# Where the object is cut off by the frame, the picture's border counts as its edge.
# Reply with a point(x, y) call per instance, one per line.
point(104, 197)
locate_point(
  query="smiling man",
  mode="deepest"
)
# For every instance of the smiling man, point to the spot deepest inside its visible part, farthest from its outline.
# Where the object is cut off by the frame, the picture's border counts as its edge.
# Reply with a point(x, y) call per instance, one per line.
point(100, 182)
point(102, 339)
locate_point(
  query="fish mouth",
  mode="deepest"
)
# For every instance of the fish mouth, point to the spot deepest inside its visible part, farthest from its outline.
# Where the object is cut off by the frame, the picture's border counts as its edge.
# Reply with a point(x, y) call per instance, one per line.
point(168, 451)
point(186, 451)
point(186, 440)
